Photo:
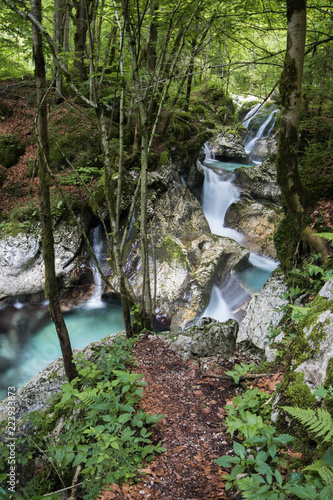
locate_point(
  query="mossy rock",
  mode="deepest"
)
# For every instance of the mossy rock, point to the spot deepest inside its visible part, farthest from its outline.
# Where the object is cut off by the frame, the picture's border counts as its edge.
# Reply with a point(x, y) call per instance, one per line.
point(73, 133)
point(3, 173)
point(11, 148)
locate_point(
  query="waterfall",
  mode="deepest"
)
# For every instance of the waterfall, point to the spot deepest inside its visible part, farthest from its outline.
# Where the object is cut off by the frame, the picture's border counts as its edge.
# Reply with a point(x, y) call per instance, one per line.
point(217, 307)
point(217, 195)
point(260, 133)
point(251, 114)
point(95, 301)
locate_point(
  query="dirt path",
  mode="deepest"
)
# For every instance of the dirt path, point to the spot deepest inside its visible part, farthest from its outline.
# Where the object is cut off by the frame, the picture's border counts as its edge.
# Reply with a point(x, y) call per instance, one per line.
point(192, 406)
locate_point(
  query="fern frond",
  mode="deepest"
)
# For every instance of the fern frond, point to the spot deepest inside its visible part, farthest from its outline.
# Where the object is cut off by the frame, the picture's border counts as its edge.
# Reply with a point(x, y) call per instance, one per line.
point(321, 424)
point(326, 474)
point(324, 470)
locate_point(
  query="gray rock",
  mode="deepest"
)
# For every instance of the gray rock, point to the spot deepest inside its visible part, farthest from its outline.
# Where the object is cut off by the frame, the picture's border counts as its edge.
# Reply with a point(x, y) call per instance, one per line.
point(327, 290)
point(207, 338)
point(257, 221)
point(260, 181)
point(263, 148)
point(228, 146)
point(21, 260)
point(315, 368)
point(264, 311)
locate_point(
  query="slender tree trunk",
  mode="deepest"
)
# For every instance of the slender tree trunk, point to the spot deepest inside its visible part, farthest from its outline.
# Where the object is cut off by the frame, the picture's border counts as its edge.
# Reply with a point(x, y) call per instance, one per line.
point(51, 288)
point(293, 192)
point(81, 24)
point(59, 25)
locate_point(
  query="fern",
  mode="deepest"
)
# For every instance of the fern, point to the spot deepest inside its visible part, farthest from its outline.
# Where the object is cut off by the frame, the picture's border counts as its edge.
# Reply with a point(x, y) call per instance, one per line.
point(327, 236)
point(320, 424)
point(323, 470)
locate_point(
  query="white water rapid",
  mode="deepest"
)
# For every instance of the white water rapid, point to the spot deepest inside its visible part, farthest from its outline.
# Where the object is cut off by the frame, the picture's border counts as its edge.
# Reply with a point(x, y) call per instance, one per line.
point(218, 194)
point(267, 127)
point(95, 301)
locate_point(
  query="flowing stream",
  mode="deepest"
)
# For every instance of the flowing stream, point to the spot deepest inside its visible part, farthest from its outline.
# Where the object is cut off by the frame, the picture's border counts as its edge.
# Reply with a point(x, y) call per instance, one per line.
point(218, 194)
point(28, 340)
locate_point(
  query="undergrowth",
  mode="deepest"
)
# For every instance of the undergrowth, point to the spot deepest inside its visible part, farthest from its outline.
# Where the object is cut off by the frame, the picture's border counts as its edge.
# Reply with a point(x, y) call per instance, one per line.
point(95, 429)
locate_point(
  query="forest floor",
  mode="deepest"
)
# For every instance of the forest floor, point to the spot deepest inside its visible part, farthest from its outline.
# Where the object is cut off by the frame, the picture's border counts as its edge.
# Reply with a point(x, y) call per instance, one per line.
point(192, 428)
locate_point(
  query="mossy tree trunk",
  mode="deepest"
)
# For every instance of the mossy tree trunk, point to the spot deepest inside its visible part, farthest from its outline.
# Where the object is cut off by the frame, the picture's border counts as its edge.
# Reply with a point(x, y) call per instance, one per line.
point(293, 191)
point(51, 288)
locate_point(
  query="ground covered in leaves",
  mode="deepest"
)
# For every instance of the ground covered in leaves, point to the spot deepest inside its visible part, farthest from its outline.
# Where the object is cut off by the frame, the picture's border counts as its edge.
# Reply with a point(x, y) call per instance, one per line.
point(192, 428)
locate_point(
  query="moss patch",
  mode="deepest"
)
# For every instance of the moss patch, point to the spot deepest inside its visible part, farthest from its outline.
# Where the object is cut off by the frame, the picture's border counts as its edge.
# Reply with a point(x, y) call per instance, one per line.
point(11, 148)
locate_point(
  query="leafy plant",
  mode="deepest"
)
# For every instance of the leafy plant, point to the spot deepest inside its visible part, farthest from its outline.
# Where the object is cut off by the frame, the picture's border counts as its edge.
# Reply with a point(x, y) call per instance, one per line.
point(100, 426)
point(239, 371)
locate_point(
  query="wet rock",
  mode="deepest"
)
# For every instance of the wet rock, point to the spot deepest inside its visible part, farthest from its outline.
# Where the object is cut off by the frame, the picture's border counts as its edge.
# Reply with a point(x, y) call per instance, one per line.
point(207, 338)
point(257, 221)
point(22, 266)
point(227, 145)
point(264, 312)
point(260, 181)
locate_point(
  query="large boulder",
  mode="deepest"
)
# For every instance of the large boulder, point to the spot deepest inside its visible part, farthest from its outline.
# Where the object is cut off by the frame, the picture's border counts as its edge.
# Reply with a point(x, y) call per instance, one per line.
point(320, 359)
point(264, 312)
point(11, 148)
point(207, 338)
point(260, 181)
point(263, 148)
point(186, 258)
point(257, 222)
point(227, 145)
point(22, 265)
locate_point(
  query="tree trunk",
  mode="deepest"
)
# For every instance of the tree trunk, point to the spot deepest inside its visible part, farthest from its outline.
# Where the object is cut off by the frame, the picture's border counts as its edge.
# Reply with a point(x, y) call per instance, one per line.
point(81, 21)
point(51, 289)
point(293, 192)
point(59, 25)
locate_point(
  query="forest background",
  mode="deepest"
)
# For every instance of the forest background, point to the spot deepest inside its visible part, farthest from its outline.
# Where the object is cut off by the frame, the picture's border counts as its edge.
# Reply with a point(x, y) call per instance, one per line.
point(153, 81)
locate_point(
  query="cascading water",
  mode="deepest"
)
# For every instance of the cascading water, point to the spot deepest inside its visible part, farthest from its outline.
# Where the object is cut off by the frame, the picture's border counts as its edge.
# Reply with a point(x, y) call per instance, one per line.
point(267, 127)
point(95, 301)
point(217, 195)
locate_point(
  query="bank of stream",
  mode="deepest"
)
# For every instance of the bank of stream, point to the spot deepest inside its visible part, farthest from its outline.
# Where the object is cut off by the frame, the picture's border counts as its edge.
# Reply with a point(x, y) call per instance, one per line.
point(29, 341)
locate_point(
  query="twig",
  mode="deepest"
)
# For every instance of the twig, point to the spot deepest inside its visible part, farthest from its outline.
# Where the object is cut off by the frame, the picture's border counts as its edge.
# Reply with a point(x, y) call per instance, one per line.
point(74, 482)
point(64, 489)
point(242, 377)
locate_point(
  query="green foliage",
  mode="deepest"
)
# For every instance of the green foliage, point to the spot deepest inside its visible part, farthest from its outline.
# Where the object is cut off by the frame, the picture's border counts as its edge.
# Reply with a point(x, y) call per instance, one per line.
point(239, 371)
point(320, 424)
point(259, 453)
point(11, 148)
point(101, 426)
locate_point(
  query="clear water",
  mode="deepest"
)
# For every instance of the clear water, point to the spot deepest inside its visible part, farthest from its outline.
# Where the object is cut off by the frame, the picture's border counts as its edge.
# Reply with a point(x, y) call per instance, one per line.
point(217, 195)
point(84, 326)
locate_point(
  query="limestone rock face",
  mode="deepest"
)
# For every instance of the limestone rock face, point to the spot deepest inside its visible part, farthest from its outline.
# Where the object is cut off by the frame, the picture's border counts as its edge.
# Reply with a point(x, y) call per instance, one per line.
point(260, 181)
point(263, 148)
point(315, 368)
point(187, 258)
point(207, 338)
point(261, 314)
point(21, 260)
point(257, 221)
point(228, 146)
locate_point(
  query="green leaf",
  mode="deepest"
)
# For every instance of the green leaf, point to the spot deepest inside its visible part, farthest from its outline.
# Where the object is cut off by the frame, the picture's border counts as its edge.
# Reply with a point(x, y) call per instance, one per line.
point(115, 445)
point(278, 477)
point(80, 457)
point(239, 449)
point(125, 417)
point(328, 457)
point(226, 461)
point(272, 448)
